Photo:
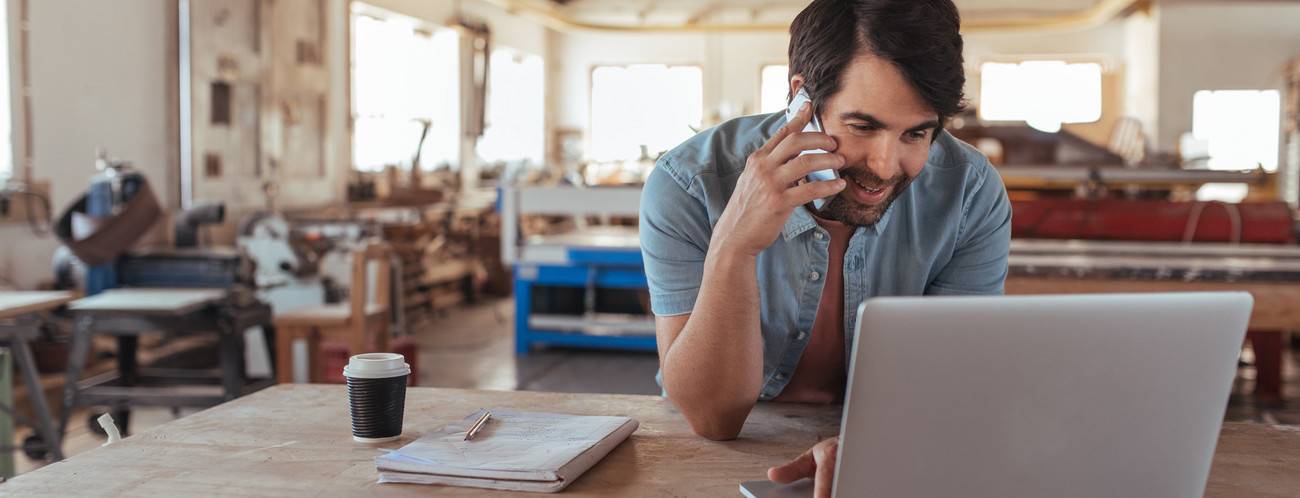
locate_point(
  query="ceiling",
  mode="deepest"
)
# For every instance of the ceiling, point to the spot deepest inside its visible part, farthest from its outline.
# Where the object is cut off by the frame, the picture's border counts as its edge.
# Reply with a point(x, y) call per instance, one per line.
point(776, 14)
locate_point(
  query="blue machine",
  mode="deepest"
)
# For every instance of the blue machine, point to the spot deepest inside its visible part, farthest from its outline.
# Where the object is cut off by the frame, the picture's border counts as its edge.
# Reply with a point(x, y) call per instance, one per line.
point(573, 289)
point(110, 189)
point(590, 269)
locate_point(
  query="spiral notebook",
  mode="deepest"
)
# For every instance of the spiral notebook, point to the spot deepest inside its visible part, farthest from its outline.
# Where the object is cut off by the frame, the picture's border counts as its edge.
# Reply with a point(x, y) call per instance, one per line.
point(522, 451)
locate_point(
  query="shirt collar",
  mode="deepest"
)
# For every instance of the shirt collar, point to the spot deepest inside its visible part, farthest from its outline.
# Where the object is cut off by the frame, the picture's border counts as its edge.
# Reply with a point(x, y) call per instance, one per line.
point(801, 221)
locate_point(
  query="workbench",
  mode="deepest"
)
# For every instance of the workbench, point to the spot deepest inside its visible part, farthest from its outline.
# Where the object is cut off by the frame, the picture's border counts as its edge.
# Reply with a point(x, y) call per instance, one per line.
point(19, 325)
point(1270, 273)
point(594, 259)
point(295, 440)
point(126, 313)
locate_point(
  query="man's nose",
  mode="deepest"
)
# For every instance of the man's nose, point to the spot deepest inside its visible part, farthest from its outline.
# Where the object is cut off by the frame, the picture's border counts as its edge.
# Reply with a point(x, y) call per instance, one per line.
point(882, 157)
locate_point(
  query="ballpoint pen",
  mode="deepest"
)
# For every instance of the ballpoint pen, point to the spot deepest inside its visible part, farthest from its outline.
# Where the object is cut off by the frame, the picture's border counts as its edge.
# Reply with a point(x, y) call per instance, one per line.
point(473, 431)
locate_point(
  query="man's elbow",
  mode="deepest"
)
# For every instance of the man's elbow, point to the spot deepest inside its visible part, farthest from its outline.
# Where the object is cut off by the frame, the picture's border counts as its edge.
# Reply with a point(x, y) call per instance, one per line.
point(718, 423)
point(716, 430)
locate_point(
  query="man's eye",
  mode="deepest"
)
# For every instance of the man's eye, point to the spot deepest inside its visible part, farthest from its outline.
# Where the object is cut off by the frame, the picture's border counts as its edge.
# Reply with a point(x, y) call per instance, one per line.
point(862, 127)
point(916, 135)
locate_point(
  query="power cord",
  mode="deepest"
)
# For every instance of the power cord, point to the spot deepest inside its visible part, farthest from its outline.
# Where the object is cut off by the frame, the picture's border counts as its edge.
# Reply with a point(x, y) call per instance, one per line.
point(17, 189)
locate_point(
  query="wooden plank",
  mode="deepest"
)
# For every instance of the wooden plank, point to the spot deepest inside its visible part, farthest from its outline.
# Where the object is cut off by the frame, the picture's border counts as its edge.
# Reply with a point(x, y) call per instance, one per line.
point(1277, 304)
point(447, 271)
point(19, 303)
point(295, 440)
point(151, 300)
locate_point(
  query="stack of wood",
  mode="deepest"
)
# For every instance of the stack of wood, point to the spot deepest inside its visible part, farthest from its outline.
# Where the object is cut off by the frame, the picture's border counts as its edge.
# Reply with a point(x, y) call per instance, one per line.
point(435, 275)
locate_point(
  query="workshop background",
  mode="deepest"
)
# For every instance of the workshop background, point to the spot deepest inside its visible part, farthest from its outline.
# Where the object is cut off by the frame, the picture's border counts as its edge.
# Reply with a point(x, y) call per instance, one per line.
point(471, 169)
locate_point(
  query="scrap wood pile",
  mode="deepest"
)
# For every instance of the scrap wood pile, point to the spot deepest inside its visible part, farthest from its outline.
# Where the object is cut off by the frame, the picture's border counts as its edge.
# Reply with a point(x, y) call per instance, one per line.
point(447, 259)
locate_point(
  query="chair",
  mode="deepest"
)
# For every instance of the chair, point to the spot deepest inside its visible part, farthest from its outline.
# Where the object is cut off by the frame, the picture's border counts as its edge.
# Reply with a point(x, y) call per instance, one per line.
point(358, 323)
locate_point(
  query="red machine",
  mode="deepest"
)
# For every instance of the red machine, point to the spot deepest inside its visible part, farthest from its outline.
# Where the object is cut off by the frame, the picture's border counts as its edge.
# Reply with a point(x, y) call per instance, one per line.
point(1153, 220)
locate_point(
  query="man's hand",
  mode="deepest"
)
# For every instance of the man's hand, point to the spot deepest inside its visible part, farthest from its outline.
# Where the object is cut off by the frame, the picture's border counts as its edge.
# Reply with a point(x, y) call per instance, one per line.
point(770, 187)
point(817, 463)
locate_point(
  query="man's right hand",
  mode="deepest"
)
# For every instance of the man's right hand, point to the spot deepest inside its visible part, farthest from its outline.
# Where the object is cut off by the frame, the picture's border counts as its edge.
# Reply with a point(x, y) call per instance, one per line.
point(771, 187)
point(712, 358)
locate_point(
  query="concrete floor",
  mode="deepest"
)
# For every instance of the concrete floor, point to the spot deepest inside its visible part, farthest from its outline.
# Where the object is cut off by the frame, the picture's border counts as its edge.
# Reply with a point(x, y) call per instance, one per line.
point(472, 347)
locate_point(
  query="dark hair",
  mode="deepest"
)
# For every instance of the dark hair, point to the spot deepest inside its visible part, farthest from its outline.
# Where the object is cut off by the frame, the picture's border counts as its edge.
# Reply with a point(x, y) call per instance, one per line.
point(919, 37)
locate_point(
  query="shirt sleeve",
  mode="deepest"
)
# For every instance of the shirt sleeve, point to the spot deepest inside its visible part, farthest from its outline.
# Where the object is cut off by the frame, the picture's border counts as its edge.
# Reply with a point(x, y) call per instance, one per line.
point(979, 263)
point(674, 230)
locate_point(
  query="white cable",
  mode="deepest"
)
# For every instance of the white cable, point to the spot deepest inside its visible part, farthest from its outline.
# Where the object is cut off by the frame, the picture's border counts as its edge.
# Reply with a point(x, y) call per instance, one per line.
point(106, 421)
point(1194, 219)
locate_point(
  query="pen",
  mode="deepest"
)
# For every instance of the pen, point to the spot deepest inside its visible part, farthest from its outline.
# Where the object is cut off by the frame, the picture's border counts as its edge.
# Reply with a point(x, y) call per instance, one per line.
point(473, 431)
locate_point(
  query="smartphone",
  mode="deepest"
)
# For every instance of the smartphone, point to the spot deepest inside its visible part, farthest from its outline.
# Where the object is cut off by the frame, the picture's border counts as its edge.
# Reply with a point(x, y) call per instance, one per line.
point(814, 125)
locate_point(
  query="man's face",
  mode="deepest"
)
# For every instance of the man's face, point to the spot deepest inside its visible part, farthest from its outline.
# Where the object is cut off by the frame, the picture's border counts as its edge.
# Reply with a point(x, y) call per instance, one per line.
point(884, 129)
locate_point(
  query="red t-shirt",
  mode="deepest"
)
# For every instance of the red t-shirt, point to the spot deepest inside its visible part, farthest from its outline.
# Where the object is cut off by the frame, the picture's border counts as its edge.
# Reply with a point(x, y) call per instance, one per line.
point(822, 372)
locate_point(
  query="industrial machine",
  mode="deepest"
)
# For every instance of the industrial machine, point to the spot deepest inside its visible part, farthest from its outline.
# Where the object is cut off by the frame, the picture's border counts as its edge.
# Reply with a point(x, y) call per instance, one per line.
point(128, 290)
point(581, 287)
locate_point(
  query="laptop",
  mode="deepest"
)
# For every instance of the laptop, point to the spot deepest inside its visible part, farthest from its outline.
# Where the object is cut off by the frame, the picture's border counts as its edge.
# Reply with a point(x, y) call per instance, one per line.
point(1058, 395)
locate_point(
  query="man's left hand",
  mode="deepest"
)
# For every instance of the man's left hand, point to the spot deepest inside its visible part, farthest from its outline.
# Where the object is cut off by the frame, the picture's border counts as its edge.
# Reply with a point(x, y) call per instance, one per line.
point(817, 463)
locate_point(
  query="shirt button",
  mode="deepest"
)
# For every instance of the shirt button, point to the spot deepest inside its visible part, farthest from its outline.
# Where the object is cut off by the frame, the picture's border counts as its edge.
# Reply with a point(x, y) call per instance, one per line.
point(818, 235)
point(780, 376)
point(800, 336)
point(814, 276)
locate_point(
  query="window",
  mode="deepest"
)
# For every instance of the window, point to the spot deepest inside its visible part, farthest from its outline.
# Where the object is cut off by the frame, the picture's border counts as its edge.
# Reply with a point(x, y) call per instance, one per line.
point(774, 88)
point(405, 80)
point(1238, 128)
point(515, 131)
point(1233, 130)
point(6, 140)
point(652, 106)
point(1043, 94)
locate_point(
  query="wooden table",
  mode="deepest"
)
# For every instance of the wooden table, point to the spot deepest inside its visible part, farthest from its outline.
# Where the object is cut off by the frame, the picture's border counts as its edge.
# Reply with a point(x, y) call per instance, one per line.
point(1270, 273)
point(18, 325)
point(294, 440)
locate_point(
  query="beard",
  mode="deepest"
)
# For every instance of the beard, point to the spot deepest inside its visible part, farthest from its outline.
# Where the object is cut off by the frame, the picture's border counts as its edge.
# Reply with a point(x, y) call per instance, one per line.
point(844, 209)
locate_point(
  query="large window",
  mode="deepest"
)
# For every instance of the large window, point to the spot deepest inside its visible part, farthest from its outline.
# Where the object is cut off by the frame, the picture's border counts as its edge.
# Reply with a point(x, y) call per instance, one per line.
point(774, 88)
point(1044, 94)
point(1233, 130)
point(405, 80)
point(651, 106)
point(1237, 128)
point(515, 131)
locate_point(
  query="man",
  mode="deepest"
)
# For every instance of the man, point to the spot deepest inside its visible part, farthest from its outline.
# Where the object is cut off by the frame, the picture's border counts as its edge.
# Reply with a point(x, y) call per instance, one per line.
point(752, 287)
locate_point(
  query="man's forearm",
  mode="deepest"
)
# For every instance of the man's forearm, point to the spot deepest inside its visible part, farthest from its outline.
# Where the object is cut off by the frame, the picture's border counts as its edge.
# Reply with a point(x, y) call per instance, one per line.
point(713, 369)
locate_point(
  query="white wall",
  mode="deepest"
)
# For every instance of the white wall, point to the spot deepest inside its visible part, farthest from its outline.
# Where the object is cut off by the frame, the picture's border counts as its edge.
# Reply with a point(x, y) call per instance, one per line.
point(99, 77)
point(508, 29)
point(730, 61)
point(1142, 64)
point(1220, 46)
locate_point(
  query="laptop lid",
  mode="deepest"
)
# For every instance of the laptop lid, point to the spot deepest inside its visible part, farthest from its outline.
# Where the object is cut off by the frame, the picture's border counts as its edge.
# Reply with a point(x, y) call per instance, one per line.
point(1062, 395)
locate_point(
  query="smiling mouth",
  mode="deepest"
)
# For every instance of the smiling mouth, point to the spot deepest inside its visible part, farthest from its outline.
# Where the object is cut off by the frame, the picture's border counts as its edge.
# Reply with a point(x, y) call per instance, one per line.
point(868, 189)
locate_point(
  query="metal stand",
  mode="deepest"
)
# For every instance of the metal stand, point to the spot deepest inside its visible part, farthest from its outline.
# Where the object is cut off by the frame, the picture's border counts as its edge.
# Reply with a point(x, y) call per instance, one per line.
point(132, 386)
point(16, 336)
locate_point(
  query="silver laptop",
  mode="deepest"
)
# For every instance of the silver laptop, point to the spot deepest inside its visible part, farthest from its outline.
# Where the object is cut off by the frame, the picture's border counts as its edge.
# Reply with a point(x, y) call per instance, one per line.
point(1065, 395)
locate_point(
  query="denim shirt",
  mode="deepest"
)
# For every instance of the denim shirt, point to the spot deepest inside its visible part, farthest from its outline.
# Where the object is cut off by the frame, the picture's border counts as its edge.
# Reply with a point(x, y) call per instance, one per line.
point(949, 232)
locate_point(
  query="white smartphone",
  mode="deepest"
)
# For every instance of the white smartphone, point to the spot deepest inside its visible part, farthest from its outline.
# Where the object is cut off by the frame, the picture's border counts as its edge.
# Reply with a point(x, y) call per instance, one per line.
point(814, 125)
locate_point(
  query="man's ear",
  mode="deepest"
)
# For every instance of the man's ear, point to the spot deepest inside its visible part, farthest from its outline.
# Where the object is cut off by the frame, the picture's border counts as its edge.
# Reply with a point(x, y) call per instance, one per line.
point(796, 82)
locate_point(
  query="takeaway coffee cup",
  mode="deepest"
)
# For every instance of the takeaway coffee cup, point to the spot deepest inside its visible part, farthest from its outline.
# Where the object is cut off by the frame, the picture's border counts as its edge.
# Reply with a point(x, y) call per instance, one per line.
point(377, 395)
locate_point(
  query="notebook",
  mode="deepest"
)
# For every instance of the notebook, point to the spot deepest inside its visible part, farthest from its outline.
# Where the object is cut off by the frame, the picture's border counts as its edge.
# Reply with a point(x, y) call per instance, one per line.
point(521, 451)
point(1063, 395)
